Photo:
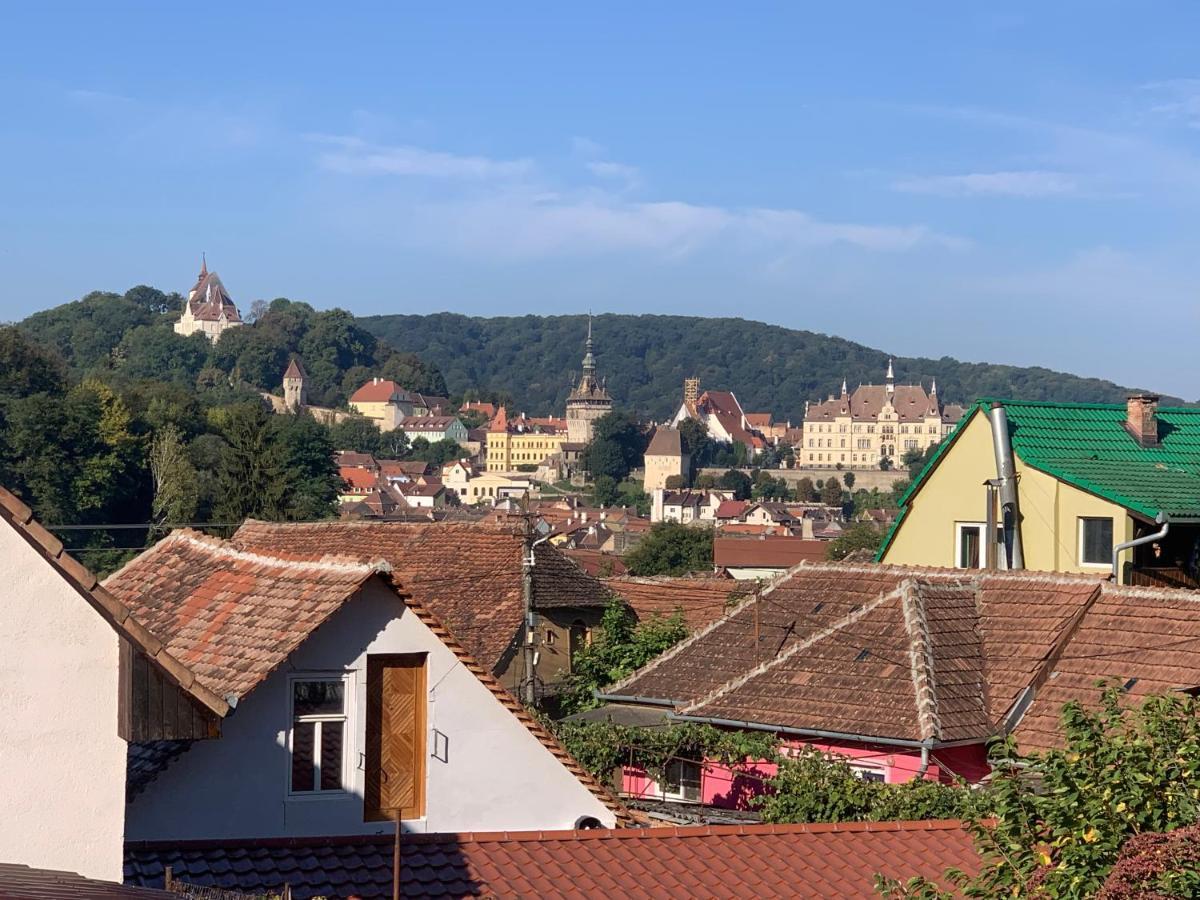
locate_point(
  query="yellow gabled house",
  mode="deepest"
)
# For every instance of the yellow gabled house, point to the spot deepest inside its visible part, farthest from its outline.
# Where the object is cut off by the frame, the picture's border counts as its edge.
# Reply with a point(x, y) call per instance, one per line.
point(1085, 479)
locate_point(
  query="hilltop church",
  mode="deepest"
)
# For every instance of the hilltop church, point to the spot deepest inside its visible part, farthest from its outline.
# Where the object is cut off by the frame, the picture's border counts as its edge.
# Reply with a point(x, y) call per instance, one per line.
point(208, 309)
point(876, 422)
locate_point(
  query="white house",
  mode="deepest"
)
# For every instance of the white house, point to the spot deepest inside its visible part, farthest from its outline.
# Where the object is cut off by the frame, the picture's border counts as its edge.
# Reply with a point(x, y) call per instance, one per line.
point(76, 675)
point(473, 486)
point(434, 428)
point(352, 705)
point(687, 506)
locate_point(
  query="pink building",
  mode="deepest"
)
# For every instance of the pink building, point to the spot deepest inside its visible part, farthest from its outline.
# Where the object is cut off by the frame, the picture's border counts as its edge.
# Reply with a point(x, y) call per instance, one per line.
point(906, 672)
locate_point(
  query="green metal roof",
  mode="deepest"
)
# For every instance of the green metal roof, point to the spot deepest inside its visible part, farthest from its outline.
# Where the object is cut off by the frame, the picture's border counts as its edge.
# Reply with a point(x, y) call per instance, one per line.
point(1086, 445)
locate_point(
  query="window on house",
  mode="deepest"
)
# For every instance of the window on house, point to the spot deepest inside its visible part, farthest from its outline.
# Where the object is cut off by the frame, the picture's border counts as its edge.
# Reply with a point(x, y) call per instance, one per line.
point(868, 773)
point(1095, 542)
point(318, 734)
point(394, 761)
point(969, 552)
point(681, 781)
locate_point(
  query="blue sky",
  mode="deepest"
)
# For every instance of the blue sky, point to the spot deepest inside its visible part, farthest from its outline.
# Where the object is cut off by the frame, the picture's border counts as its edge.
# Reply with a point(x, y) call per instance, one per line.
point(1005, 182)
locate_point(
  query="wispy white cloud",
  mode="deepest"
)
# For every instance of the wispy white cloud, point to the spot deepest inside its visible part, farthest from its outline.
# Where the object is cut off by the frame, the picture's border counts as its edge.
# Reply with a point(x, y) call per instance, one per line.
point(1178, 98)
point(354, 156)
point(515, 209)
point(995, 184)
point(528, 223)
point(586, 148)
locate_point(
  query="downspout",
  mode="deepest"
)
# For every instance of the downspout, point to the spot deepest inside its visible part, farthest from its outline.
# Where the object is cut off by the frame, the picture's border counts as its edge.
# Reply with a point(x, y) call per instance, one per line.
point(1161, 519)
point(529, 688)
point(925, 750)
point(1006, 472)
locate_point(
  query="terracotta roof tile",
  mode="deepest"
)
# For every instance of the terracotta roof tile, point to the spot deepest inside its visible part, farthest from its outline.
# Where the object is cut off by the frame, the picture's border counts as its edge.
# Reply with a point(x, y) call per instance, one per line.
point(736, 861)
point(237, 615)
point(768, 551)
point(232, 616)
point(926, 654)
point(469, 575)
point(18, 882)
point(378, 390)
point(118, 614)
point(702, 600)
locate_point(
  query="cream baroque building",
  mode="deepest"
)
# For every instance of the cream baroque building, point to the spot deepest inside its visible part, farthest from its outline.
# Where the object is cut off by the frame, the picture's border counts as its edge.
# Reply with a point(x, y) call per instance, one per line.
point(876, 422)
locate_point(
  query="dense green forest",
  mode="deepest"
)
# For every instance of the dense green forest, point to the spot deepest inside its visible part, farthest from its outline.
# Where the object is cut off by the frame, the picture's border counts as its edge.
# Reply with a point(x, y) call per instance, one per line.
point(107, 417)
point(646, 358)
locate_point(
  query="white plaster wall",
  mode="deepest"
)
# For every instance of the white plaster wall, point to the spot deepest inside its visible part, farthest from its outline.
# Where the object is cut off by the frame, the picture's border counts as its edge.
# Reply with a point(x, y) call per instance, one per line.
point(62, 765)
point(495, 774)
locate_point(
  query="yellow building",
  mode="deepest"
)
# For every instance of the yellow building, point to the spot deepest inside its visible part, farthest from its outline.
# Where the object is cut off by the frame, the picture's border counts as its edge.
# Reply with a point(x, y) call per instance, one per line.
point(522, 441)
point(876, 422)
point(1087, 477)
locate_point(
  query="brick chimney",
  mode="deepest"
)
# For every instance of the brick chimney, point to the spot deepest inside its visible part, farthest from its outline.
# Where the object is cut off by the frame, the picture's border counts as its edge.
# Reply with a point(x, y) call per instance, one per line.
point(1141, 418)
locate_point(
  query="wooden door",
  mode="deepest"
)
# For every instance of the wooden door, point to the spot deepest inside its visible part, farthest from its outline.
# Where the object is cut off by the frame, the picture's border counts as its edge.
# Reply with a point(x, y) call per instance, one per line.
point(395, 757)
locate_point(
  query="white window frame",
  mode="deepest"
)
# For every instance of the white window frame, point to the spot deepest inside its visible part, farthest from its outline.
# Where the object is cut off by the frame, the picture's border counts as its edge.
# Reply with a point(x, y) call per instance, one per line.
point(861, 771)
point(958, 544)
point(348, 736)
point(1082, 520)
point(679, 795)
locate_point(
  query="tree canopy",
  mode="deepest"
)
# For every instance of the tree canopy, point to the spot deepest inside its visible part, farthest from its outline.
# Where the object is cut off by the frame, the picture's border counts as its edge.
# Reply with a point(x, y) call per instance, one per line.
point(645, 359)
point(672, 549)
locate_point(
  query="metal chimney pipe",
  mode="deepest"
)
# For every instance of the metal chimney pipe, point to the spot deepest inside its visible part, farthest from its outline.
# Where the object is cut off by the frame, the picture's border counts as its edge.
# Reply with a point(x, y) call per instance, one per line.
point(1006, 476)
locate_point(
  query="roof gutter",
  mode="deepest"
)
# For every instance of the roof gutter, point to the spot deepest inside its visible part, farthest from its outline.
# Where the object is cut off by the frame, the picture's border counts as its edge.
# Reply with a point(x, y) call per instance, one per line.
point(627, 698)
point(1161, 519)
point(803, 732)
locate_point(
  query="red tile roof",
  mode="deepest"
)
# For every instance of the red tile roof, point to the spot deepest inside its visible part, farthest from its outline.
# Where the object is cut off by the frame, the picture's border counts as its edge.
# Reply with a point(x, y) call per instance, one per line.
point(237, 615)
point(732, 509)
point(469, 575)
point(730, 861)
point(596, 563)
point(766, 552)
point(230, 615)
point(926, 654)
point(358, 479)
point(377, 390)
point(700, 599)
point(18, 882)
point(426, 423)
point(353, 458)
point(392, 467)
point(124, 621)
point(758, 420)
point(487, 409)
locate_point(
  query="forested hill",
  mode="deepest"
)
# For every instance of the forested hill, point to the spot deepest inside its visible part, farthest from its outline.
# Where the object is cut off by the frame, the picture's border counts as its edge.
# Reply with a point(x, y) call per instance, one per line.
point(646, 358)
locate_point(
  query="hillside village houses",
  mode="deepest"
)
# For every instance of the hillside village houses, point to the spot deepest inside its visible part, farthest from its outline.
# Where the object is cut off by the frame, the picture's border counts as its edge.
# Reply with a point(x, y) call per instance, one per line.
point(390, 407)
point(554, 445)
point(208, 308)
point(875, 423)
point(721, 413)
